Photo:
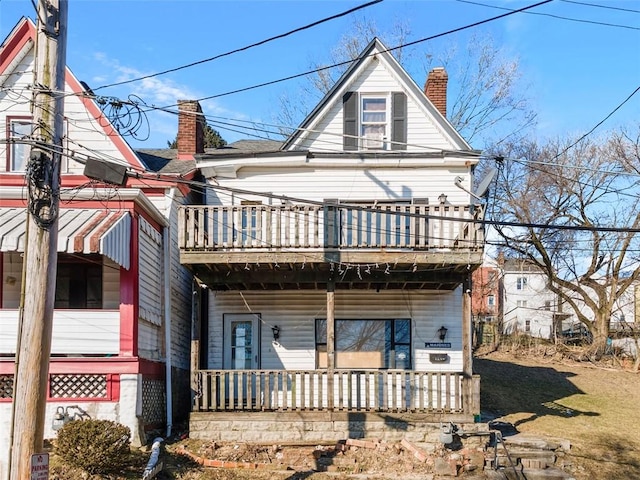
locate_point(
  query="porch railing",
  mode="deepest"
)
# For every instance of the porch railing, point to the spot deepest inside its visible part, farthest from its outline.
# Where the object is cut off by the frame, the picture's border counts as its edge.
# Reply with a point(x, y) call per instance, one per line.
point(342, 390)
point(207, 227)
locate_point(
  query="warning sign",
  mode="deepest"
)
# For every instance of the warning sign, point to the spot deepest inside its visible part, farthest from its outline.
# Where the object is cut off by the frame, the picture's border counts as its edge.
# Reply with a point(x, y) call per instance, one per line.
point(40, 466)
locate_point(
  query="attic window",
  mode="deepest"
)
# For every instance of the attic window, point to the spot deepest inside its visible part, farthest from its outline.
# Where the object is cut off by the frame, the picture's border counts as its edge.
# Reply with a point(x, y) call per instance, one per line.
point(374, 123)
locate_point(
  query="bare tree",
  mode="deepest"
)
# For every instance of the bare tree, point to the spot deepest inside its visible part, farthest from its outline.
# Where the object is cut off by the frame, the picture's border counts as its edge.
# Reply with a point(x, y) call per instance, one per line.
point(489, 103)
point(575, 214)
point(294, 107)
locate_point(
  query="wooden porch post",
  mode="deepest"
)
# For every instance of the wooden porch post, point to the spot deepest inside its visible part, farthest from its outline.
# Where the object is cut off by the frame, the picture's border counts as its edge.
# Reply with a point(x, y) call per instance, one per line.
point(331, 356)
point(467, 360)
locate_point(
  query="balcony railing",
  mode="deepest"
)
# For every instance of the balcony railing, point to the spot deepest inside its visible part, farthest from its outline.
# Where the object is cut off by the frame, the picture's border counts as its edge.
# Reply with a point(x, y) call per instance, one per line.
point(341, 390)
point(269, 227)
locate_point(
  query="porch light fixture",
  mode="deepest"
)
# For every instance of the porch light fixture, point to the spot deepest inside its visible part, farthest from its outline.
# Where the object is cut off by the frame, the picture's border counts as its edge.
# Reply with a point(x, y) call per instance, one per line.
point(442, 333)
point(276, 332)
point(442, 198)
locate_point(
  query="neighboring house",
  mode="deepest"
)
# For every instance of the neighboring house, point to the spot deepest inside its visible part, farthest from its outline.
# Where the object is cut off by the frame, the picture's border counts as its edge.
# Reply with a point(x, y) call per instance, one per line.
point(123, 305)
point(529, 306)
point(336, 268)
point(486, 301)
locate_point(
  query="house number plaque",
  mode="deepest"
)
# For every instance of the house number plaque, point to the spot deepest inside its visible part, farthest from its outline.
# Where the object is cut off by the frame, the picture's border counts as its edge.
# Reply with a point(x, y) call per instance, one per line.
point(437, 345)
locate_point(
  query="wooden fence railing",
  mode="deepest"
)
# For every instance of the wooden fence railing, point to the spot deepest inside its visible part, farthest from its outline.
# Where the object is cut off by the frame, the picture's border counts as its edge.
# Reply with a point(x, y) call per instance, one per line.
point(207, 227)
point(342, 390)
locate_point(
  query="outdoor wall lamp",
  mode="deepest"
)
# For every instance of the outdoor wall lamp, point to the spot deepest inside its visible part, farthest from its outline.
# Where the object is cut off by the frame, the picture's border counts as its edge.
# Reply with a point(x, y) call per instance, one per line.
point(442, 333)
point(442, 198)
point(276, 332)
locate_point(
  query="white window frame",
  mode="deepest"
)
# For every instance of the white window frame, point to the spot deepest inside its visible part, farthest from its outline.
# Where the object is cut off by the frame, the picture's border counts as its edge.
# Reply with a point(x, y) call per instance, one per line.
point(18, 148)
point(372, 142)
point(521, 283)
point(491, 300)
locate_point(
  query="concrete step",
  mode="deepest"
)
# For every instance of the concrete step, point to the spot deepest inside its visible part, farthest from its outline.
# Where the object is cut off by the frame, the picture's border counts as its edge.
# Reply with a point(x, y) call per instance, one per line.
point(550, 473)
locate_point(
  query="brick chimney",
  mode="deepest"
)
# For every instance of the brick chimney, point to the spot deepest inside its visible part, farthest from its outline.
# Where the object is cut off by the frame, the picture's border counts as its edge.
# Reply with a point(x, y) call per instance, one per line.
point(435, 88)
point(191, 124)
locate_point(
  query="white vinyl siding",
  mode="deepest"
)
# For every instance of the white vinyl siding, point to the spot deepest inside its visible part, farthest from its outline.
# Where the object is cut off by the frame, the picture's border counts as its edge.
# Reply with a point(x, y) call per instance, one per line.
point(150, 277)
point(75, 332)
point(181, 284)
point(295, 313)
point(347, 184)
point(150, 287)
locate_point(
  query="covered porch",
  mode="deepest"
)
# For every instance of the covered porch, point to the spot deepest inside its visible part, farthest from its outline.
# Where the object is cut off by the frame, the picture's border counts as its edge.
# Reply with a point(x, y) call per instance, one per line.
point(281, 252)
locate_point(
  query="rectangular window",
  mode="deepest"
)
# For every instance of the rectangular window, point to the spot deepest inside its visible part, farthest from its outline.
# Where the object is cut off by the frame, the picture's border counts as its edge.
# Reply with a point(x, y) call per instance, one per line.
point(547, 304)
point(79, 283)
point(367, 343)
point(19, 129)
point(373, 123)
point(527, 325)
point(522, 303)
point(491, 300)
point(521, 283)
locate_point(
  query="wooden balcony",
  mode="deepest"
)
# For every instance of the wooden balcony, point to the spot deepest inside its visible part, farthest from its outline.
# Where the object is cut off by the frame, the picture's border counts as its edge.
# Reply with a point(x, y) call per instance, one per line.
point(334, 233)
point(399, 391)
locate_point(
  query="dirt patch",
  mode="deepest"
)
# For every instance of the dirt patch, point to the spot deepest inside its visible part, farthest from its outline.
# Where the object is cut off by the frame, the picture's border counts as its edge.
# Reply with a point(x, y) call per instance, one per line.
point(373, 458)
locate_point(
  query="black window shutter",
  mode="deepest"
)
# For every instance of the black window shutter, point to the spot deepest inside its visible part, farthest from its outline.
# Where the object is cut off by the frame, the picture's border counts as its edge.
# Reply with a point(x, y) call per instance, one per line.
point(349, 107)
point(399, 121)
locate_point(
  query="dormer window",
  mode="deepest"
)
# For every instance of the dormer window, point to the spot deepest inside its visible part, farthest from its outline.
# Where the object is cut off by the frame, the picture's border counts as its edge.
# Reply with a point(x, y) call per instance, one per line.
point(373, 123)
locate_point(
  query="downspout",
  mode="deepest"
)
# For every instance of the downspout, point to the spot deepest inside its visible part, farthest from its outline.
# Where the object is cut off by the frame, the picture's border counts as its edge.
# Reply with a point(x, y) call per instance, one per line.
point(166, 239)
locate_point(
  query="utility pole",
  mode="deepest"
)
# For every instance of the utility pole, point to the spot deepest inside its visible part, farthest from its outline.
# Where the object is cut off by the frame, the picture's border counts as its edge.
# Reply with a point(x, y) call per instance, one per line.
point(43, 186)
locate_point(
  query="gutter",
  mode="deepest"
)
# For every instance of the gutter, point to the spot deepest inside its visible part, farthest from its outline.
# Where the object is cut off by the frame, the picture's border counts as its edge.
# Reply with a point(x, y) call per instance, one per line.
point(166, 243)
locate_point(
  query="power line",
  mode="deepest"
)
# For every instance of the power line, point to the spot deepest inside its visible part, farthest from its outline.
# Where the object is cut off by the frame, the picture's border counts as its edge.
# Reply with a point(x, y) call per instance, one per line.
point(608, 7)
point(598, 124)
point(237, 50)
point(339, 64)
point(559, 17)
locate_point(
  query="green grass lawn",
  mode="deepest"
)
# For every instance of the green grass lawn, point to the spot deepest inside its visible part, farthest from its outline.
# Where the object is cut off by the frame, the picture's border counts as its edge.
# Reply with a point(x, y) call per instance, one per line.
point(597, 409)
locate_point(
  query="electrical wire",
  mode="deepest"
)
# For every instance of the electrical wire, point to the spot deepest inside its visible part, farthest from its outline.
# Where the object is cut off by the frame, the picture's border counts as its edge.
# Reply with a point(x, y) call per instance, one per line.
point(237, 50)
point(608, 7)
point(559, 17)
point(339, 64)
point(598, 124)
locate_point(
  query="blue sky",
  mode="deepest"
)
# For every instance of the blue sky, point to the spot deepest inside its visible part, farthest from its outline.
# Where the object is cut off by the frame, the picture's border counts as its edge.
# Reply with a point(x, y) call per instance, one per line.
point(574, 72)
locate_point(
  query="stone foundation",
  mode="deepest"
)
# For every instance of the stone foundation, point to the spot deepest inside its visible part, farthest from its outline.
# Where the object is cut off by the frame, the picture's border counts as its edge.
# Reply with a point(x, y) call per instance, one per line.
point(324, 427)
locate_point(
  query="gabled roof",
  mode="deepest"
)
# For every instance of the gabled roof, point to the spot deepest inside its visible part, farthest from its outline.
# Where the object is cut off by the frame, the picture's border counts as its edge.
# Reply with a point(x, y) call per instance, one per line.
point(19, 43)
point(375, 48)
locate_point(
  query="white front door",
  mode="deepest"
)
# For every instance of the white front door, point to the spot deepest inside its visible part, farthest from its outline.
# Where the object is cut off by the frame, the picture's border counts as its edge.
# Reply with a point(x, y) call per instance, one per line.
point(241, 342)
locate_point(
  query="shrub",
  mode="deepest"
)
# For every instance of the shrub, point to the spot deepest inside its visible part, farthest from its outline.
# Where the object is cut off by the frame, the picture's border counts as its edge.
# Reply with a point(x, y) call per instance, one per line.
point(96, 446)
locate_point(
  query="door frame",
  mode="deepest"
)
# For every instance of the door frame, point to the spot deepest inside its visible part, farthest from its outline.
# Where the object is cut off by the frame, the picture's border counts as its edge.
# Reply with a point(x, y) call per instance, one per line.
point(256, 321)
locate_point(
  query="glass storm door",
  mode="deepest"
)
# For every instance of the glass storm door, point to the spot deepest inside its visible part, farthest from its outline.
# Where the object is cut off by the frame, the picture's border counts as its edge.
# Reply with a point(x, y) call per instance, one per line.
point(241, 342)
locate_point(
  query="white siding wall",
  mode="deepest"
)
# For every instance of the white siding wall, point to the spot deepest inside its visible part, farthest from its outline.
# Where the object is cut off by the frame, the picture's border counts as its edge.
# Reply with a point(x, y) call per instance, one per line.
point(181, 285)
point(150, 285)
point(295, 313)
point(347, 184)
point(422, 132)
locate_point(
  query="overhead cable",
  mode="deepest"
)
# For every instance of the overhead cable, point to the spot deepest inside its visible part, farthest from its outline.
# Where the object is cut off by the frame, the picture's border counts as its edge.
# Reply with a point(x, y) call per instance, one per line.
point(237, 50)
